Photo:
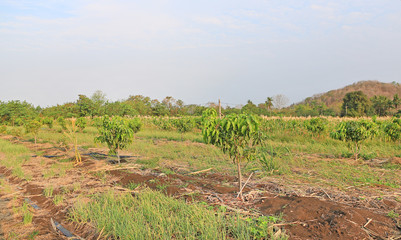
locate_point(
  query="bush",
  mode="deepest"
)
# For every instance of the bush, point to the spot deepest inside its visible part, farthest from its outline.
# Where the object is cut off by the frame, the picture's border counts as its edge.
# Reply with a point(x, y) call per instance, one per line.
point(184, 124)
point(355, 131)
point(135, 124)
point(3, 129)
point(81, 123)
point(392, 130)
point(116, 133)
point(62, 123)
point(48, 121)
point(316, 125)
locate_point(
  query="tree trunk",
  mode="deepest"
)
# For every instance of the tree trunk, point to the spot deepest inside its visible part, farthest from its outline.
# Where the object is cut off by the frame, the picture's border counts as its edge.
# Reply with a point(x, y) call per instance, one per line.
point(35, 139)
point(118, 155)
point(356, 151)
point(239, 179)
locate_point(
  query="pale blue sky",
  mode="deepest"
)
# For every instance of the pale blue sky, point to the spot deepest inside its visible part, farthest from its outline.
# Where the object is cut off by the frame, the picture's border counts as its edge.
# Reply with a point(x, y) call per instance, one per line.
point(197, 51)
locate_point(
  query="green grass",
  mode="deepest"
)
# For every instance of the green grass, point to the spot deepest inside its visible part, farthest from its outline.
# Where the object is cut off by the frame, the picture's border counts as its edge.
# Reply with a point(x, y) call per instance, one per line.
point(27, 215)
point(15, 156)
point(58, 199)
point(341, 173)
point(11, 149)
point(48, 191)
point(152, 215)
point(150, 133)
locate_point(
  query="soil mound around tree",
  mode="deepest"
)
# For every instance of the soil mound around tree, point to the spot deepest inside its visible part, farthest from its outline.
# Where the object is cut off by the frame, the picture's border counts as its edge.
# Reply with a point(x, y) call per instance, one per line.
point(312, 218)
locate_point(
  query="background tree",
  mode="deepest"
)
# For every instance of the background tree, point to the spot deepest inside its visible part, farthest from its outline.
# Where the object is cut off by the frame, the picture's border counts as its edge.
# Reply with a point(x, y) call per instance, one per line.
point(98, 99)
point(80, 123)
point(355, 104)
point(48, 121)
point(250, 107)
point(86, 107)
point(13, 110)
point(396, 101)
point(141, 104)
point(269, 103)
point(381, 105)
point(280, 101)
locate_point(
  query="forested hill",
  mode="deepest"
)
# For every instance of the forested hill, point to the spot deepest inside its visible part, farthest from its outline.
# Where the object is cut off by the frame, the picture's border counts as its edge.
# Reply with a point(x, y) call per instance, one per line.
point(333, 99)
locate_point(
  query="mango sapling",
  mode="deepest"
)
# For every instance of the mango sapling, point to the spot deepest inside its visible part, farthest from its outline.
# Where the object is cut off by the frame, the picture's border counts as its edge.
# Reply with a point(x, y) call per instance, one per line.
point(356, 132)
point(33, 127)
point(117, 133)
point(236, 135)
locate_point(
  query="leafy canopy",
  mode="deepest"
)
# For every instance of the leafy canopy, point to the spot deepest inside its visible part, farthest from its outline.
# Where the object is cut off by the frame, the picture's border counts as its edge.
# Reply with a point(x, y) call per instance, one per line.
point(236, 135)
point(355, 131)
point(115, 132)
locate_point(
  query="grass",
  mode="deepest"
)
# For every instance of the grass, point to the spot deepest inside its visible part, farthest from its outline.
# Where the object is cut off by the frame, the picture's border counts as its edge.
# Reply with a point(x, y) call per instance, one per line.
point(5, 187)
point(27, 215)
point(11, 149)
point(393, 214)
point(76, 187)
point(58, 199)
point(341, 173)
point(151, 133)
point(48, 191)
point(152, 215)
point(16, 155)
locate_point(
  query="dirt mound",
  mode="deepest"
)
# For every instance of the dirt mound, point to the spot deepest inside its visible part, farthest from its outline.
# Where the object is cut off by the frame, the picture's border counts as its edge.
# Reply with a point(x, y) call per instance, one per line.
point(316, 219)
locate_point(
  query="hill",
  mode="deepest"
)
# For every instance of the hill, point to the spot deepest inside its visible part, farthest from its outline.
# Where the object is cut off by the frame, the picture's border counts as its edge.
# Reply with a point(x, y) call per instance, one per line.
point(333, 99)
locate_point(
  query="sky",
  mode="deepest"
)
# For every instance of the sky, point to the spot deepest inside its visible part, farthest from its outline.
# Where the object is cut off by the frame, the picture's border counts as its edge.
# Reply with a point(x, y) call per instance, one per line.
point(196, 51)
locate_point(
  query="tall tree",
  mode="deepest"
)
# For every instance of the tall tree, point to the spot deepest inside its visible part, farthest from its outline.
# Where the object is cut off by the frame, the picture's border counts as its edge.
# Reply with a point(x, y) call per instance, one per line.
point(269, 103)
point(381, 105)
point(280, 101)
point(355, 104)
point(396, 101)
point(99, 99)
point(86, 106)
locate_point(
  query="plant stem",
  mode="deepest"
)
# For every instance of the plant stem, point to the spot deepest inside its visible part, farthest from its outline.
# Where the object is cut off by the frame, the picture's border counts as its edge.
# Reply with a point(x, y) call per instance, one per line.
point(239, 178)
point(118, 155)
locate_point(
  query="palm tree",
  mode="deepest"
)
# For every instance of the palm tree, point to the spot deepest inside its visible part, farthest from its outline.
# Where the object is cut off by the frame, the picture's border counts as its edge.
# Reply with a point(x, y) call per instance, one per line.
point(269, 103)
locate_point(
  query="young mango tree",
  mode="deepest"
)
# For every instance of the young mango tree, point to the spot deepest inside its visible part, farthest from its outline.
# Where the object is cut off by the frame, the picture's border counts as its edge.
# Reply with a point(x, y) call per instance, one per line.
point(392, 130)
point(316, 125)
point(33, 127)
point(355, 132)
point(235, 135)
point(116, 133)
point(135, 124)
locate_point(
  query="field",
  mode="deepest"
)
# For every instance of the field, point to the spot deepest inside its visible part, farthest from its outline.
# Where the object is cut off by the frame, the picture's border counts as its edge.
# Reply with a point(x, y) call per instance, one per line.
point(171, 185)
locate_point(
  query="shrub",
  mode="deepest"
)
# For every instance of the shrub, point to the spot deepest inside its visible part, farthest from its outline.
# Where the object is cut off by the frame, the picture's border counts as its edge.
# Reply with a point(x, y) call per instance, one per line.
point(356, 132)
point(116, 133)
point(48, 121)
point(81, 123)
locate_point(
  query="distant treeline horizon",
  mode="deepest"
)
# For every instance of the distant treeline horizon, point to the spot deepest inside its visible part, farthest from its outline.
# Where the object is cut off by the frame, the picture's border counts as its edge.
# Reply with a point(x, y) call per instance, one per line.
point(355, 104)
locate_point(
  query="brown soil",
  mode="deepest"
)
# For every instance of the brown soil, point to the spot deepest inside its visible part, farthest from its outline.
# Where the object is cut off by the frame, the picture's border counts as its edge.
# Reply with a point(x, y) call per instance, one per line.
point(327, 215)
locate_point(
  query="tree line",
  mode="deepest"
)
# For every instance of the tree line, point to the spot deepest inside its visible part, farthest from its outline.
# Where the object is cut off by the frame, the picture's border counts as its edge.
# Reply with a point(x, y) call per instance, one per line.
point(355, 104)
